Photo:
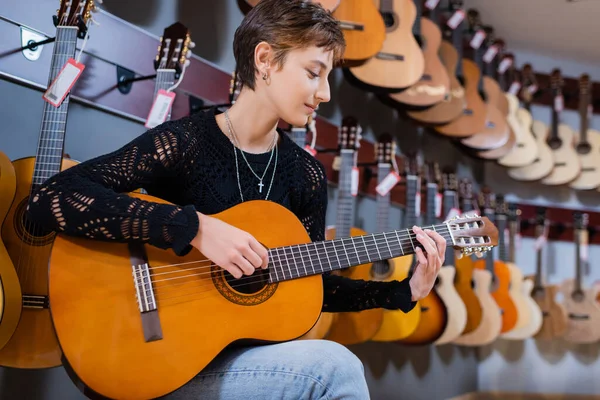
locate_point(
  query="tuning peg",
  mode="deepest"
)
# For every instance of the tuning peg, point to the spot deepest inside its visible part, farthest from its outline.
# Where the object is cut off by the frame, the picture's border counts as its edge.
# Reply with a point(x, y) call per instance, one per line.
point(188, 54)
point(192, 45)
point(186, 63)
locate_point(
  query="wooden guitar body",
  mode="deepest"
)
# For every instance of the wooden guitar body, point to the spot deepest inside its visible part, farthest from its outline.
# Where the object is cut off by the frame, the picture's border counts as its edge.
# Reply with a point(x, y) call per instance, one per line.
point(491, 320)
point(473, 118)
point(525, 150)
point(502, 295)
point(400, 62)
point(464, 288)
point(434, 84)
point(590, 163)
point(535, 314)
point(33, 344)
point(453, 104)
point(456, 309)
point(501, 151)
point(354, 327)
point(567, 166)
point(554, 323)
point(516, 295)
point(434, 318)
point(583, 314)
point(543, 165)
point(10, 288)
point(321, 329)
point(363, 28)
point(496, 132)
point(396, 324)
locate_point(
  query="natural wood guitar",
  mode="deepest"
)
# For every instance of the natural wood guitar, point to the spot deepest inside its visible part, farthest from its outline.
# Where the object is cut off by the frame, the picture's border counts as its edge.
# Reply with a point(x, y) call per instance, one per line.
point(10, 287)
point(350, 327)
point(583, 312)
point(434, 315)
point(400, 62)
point(115, 313)
point(434, 84)
point(396, 324)
point(34, 344)
point(567, 165)
point(588, 141)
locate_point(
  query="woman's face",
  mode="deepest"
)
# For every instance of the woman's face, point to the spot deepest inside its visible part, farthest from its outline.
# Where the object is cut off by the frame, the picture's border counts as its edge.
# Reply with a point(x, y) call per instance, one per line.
point(297, 88)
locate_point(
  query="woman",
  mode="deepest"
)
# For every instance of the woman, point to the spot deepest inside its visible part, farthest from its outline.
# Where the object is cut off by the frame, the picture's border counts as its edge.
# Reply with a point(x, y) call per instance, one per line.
point(211, 161)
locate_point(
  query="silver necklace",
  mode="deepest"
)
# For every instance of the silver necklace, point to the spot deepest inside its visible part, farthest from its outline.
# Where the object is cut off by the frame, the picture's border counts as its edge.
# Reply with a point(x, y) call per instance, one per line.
point(235, 143)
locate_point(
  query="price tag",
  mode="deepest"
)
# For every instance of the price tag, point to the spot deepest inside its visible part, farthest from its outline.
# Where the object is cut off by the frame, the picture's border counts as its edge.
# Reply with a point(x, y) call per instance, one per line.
point(590, 110)
point(61, 86)
point(310, 150)
point(418, 204)
point(431, 4)
point(388, 183)
point(540, 242)
point(438, 205)
point(583, 252)
point(160, 108)
point(337, 161)
point(504, 65)
point(506, 236)
point(514, 88)
point(477, 39)
point(456, 19)
point(559, 103)
point(518, 238)
point(454, 212)
point(532, 88)
point(354, 187)
point(490, 54)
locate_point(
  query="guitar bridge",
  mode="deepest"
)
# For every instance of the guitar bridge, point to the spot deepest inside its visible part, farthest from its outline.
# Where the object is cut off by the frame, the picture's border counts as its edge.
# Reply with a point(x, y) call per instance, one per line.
point(35, 301)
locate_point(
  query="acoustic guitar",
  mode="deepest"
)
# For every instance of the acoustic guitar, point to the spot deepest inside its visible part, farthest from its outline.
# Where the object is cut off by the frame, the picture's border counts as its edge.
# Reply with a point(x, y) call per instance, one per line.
point(554, 323)
point(434, 84)
point(350, 327)
point(434, 315)
point(396, 324)
point(588, 141)
point(567, 165)
point(400, 62)
point(583, 312)
point(473, 118)
point(535, 313)
point(34, 344)
point(543, 164)
point(363, 29)
point(141, 335)
point(453, 103)
point(10, 288)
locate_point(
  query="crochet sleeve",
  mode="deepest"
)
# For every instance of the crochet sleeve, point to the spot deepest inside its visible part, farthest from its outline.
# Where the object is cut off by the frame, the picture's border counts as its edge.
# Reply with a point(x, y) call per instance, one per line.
point(342, 294)
point(89, 200)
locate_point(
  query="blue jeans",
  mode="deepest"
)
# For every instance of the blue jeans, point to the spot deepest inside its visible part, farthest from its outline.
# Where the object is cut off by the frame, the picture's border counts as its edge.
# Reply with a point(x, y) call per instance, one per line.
point(296, 370)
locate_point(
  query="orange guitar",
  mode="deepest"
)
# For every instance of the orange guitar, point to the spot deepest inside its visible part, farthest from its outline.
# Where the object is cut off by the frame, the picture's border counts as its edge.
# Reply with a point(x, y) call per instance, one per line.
point(350, 327)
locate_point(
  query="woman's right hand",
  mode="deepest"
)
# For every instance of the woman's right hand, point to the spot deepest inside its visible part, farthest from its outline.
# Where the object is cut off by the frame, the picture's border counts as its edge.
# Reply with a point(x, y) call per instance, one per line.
point(231, 248)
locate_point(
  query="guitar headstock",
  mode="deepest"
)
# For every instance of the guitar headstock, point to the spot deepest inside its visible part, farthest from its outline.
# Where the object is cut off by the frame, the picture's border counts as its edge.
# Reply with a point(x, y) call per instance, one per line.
point(465, 189)
point(235, 87)
point(75, 13)
point(487, 199)
point(580, 220)
point(513, 212)
point(411, 164)
point(431, 172)
point(385, 149)
point(585, 92)
point(474, 20)
point(449, 180)
point(556, 81)
point(473, 234)
point(454, 5)
point(490, 35)
point(349, 134)
point(501, 206)
point(174, 49)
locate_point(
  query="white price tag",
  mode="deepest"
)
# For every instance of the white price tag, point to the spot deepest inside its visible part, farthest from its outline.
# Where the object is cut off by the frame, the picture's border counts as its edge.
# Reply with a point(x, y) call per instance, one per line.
point(337, 161)
point(456, 19)
point(61, 86)
point(431, 4)
point(438, 205)
point(160, 108)
point(506, 236)
point(518, 238)
point(590, 110)
point(454, 212)
point(540, 242)
point(583, 252)
point(354, 187)
point(387, 183)
point(514, 88)
point(532, 88)
point(490, 53)
point(477, 39)
point(418, 204)
point(559, 103)
point(504, 65)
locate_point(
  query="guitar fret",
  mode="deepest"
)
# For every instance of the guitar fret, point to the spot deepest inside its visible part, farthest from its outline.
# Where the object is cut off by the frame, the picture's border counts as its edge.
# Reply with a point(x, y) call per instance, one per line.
point(310, 258)
point(366, 249)
point(289, 266)
point(410, 237)
point(399, 241)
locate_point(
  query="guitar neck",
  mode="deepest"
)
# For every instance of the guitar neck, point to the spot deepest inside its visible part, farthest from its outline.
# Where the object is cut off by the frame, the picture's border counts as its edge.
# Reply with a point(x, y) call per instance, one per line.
point(457, 41)
point(538, 259)
point(489, 258)
point(583, 118)
point(297, 261)
point(501, 225)
point(554, 126)
point(479, 62)
point(449, 203)
point(386, 6)
point(383, 202)
point(412, 188)
point(578, 234)
point(298, 136)
point(417, 23)
point(165, 78)
point(346, 201)
point(50, 148)
point(512, 234)
point(432, 191)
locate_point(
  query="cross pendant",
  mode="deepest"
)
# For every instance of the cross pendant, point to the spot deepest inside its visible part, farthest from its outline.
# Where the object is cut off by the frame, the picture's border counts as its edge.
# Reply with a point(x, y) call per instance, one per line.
point(260, 186)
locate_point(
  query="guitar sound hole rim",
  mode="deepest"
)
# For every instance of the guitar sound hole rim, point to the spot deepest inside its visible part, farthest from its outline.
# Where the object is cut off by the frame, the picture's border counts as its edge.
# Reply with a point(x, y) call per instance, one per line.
point(27, 231)
point(583, 148)
point(229, 287)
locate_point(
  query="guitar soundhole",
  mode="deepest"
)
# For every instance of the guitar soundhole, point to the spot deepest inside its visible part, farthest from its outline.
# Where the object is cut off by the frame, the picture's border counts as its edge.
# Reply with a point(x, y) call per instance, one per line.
point(381, 269)
point(389, 19)
point(27, 230)
point(577, 296)
point(583, 148)
point(248, 284)
point(554, 143)
point(246, 291)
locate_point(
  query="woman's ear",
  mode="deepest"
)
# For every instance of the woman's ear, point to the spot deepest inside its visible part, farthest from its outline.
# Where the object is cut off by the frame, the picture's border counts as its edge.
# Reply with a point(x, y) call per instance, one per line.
point(263, 56)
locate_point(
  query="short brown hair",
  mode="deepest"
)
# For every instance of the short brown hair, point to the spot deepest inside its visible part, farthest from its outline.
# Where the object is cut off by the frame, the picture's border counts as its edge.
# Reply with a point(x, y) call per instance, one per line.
point(285, 25)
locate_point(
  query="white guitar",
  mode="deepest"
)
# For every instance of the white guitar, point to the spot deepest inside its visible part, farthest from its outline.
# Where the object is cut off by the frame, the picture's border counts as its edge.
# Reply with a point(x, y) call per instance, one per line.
point(543, 165)
point(588, 141)
point(567, 166)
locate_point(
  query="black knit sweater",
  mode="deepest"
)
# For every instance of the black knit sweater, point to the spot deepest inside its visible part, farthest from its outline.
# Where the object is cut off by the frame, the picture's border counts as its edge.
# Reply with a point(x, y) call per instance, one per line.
point(190, 162)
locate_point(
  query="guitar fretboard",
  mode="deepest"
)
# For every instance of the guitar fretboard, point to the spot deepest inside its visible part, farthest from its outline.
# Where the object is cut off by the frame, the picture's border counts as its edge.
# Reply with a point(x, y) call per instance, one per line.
point(346, 201)
point(383, 202)
point(432, 191)
point(412, 188)
point(50, 148)
point(501, 225)
point(450, 202)
point(165, 78)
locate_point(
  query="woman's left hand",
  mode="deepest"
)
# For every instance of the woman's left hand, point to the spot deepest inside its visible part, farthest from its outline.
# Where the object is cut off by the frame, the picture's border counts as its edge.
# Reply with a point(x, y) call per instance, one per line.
point(428, 262)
